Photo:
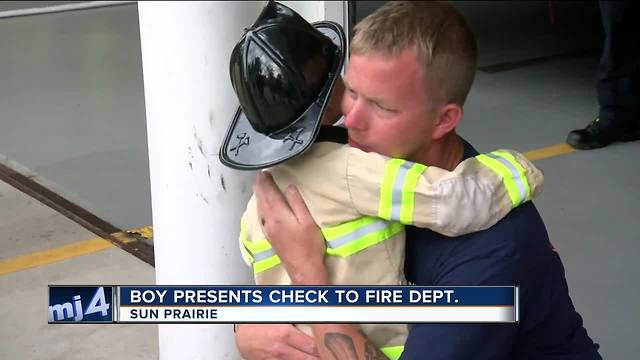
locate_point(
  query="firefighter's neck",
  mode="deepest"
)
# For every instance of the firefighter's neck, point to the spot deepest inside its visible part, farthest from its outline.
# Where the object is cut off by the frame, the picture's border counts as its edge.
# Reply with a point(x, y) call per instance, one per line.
point(445, 153)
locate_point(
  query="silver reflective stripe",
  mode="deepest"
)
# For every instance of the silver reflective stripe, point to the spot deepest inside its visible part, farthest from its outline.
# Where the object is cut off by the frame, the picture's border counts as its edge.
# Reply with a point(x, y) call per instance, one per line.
point(357, 234)
point(262, 255)
point(515, 173)
point(396, 195)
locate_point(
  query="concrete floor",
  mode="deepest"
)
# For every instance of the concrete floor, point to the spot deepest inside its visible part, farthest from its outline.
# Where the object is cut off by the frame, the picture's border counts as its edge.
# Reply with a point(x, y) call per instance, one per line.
point(73, 117)
point(27, 226)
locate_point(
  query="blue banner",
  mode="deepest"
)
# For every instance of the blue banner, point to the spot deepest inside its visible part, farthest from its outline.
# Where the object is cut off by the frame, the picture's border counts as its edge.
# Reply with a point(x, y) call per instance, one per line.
point(315, 296)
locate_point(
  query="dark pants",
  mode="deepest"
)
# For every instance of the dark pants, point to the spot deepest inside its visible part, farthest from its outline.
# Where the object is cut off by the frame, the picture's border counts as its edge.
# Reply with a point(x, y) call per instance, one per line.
point(618, 84)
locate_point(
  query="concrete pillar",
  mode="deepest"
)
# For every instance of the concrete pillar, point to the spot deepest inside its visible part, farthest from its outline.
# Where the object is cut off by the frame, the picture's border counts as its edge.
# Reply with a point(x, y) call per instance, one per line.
point(196, 202)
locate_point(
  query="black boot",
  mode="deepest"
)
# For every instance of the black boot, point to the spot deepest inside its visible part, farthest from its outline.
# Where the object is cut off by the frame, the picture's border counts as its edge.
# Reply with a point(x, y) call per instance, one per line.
point(597, 135)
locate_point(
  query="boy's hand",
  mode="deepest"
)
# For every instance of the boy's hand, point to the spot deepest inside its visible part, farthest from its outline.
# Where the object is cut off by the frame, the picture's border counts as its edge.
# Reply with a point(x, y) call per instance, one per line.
point(292, 232)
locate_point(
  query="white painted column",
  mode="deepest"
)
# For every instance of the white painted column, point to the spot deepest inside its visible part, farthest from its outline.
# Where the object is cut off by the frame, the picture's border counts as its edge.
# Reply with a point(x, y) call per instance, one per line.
point(196, 202)
point(320, 10)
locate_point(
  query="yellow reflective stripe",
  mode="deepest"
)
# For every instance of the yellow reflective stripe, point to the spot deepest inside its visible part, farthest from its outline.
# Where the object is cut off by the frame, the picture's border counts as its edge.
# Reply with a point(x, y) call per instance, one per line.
point(348, 227)
point(342, 240)
point(243, 237)
point(516, 176)
point(367, 240)
point(398, 185)
point(393, 352)
point(263, 255)
point(260, 253)
point(357, 233)
point(266, 264)
point(408, 192)
point(397, 193)
point(256, 246)
point(503, 171)
point(386, 190)
point(523, 174)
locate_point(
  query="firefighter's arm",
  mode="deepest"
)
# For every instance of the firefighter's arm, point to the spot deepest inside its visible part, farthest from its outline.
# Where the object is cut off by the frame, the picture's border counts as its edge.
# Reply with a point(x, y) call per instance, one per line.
point(474, 196)
point(298, 241)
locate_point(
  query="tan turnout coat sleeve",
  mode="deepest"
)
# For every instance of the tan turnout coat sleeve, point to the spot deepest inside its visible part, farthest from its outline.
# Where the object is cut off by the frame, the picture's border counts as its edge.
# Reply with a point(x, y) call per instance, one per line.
point(470, 198)
point(340, 183)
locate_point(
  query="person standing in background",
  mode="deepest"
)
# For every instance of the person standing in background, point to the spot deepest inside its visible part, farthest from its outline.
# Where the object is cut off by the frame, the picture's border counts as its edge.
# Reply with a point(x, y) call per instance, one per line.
point(618, 84)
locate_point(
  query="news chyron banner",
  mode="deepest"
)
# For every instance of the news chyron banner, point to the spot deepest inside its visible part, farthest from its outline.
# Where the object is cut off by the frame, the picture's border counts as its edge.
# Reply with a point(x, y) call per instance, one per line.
point(282, 304)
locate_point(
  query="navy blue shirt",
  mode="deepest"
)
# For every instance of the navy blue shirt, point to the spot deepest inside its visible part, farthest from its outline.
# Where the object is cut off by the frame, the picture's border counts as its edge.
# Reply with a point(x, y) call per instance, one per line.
point(515, 251)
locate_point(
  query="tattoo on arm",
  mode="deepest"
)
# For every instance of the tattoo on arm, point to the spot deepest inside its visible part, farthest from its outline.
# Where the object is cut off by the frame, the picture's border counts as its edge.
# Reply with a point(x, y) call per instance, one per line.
point(342, 347)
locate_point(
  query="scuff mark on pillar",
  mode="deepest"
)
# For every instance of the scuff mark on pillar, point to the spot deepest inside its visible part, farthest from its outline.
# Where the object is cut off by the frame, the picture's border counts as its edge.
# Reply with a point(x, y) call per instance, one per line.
point(199, 142)
point(199, 195)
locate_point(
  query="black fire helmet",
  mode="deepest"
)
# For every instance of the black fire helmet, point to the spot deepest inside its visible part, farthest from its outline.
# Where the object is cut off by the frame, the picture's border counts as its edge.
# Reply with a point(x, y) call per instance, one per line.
point(283, 70)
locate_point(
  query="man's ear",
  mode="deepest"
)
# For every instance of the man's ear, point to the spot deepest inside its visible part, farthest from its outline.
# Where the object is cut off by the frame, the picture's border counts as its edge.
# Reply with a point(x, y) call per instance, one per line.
point(447, 119)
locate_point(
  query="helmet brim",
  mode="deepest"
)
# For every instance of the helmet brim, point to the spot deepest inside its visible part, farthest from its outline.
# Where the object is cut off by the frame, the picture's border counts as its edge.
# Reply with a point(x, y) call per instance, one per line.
point(244, 148)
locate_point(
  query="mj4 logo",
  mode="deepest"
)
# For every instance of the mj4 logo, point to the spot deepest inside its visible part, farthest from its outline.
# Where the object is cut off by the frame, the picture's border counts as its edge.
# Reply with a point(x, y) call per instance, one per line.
point(74, 309)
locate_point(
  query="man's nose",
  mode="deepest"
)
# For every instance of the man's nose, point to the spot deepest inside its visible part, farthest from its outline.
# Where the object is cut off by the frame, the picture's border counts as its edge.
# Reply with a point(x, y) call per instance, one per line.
point(355, 117)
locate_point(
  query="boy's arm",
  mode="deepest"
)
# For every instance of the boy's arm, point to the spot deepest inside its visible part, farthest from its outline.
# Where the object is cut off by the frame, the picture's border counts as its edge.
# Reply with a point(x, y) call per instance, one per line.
point(242, 239)
point(474, 196)
point(251, 239)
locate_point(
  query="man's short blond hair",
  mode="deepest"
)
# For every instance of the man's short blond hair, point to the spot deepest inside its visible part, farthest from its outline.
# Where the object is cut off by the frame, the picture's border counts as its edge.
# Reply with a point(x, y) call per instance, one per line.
point(440, 36)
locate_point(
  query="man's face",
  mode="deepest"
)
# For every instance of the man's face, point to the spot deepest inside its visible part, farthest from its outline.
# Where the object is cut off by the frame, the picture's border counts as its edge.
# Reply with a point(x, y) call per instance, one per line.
point(385, 106)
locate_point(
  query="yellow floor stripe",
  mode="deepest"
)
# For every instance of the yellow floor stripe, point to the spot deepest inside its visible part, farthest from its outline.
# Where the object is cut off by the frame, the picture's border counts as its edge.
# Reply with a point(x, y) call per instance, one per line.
point(65, 252)
point(54, 255)
point(50, 256)
point(549, 151)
